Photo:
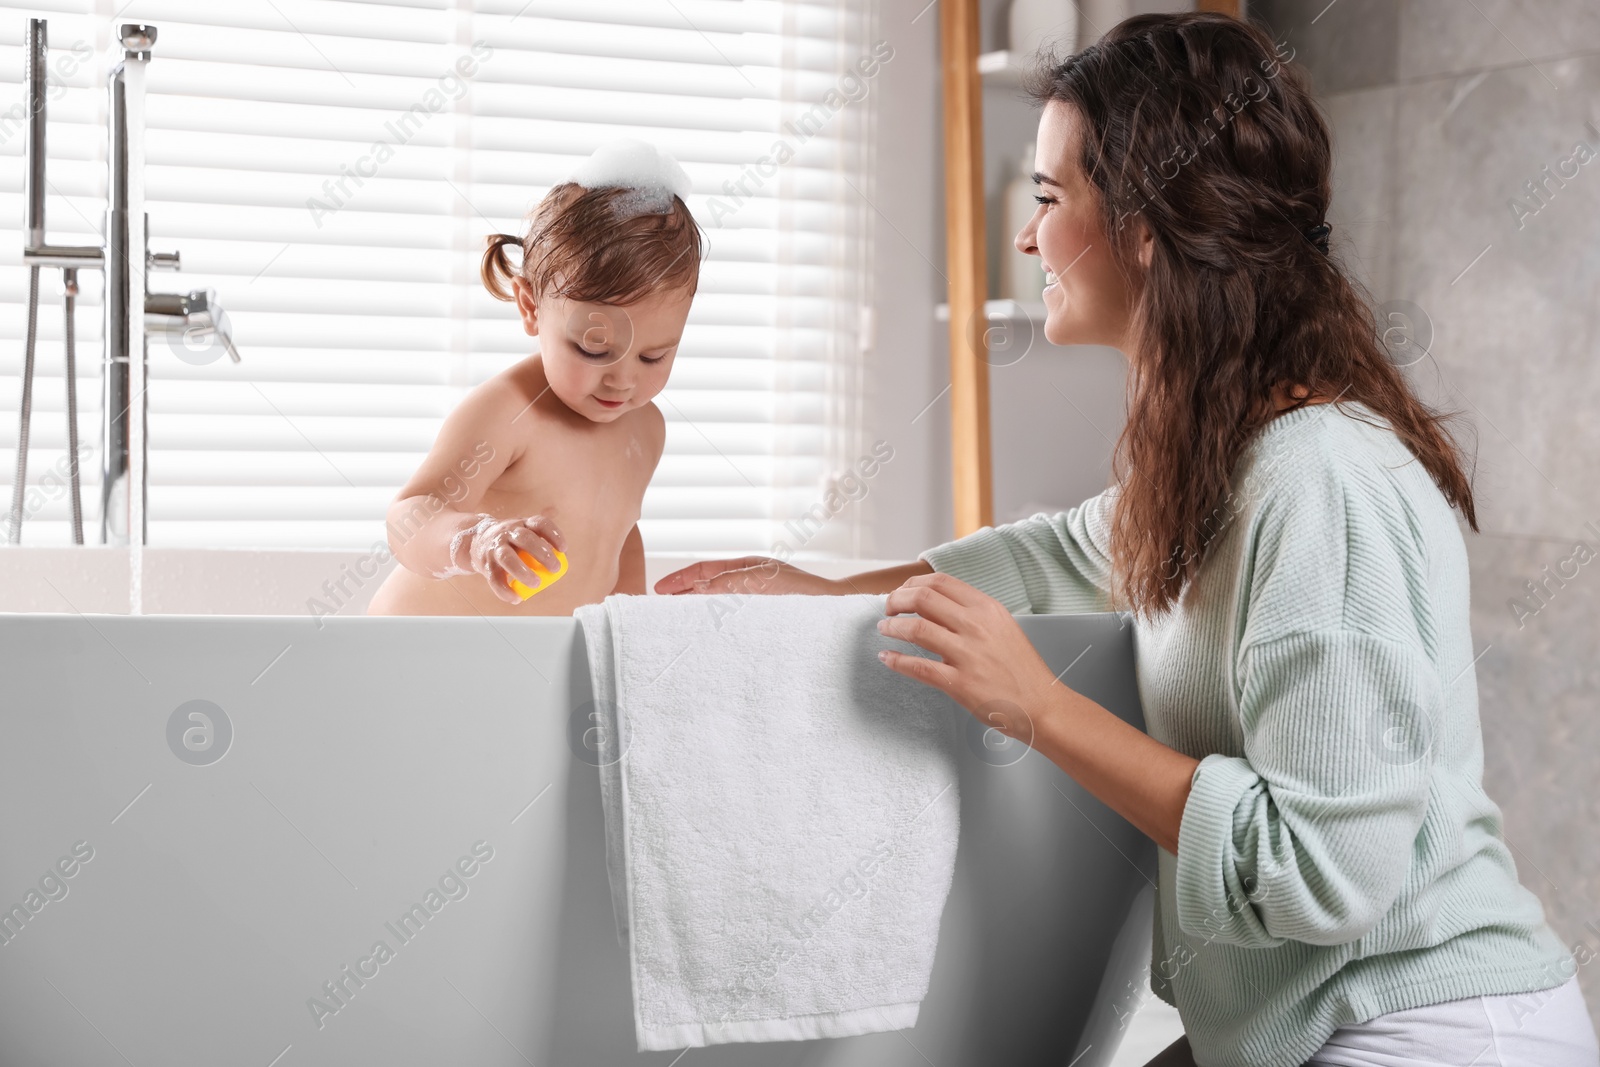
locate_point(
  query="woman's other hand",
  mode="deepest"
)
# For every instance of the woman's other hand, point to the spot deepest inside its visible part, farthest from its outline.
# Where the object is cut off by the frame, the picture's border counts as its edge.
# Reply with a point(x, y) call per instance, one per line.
point(747, 574)
point(762, 574)
point(986, 663)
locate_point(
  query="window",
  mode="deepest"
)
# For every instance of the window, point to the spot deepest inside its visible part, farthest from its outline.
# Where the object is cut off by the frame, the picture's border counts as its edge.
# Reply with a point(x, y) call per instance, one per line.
point(330, 168)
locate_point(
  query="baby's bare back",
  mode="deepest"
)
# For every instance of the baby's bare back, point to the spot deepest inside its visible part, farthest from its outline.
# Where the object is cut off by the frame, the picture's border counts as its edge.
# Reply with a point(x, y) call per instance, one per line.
point(588, 478)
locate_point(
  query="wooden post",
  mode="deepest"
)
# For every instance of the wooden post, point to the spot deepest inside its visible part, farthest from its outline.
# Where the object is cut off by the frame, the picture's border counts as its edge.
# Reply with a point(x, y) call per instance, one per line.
point(967, 265)
point(1226, 7)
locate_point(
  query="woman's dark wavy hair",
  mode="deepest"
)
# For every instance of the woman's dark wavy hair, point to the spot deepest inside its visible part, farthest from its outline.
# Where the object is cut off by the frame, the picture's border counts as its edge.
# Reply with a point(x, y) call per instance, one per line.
point(1198, 126)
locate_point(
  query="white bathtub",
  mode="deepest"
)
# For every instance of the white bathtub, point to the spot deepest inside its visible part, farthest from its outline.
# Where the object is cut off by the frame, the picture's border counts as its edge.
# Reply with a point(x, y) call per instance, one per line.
point(209, 902)
point(239, 581)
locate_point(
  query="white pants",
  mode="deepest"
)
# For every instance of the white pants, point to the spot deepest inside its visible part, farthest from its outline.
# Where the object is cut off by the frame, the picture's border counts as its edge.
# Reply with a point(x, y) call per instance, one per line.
point(1544, 1028)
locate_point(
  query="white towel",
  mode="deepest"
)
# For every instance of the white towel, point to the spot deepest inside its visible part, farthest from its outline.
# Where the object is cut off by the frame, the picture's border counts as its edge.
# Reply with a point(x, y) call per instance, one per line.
point(782, 814)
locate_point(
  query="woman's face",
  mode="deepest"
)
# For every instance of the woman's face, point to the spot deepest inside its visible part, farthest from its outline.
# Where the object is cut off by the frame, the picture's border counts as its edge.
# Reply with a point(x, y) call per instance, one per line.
point(1087, 301)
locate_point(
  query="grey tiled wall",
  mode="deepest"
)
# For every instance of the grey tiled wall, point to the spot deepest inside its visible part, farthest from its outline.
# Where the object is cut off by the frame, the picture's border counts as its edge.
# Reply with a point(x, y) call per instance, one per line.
point(1443, 111)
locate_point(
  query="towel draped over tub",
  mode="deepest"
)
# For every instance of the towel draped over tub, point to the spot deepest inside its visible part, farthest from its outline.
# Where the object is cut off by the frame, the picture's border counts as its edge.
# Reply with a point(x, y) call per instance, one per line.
point(781, 813)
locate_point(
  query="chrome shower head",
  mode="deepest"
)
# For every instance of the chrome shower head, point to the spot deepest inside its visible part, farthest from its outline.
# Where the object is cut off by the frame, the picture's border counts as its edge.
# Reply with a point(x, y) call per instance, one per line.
point(137, 39)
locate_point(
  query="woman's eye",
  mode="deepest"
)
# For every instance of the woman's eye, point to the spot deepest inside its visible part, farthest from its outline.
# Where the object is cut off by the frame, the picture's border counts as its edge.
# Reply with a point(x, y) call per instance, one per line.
point(1037, 199)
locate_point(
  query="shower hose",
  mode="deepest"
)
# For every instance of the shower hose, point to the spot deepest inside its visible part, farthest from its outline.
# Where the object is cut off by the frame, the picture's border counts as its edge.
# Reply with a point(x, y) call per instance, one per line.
point(69, 279)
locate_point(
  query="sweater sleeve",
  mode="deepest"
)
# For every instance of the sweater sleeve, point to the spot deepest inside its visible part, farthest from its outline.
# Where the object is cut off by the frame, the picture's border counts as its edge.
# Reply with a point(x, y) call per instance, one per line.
point(1044, 564)
point(1308, 835)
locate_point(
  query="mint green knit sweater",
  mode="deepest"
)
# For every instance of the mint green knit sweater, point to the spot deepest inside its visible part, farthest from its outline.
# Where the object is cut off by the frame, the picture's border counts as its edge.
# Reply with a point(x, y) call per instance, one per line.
point(1337, 857)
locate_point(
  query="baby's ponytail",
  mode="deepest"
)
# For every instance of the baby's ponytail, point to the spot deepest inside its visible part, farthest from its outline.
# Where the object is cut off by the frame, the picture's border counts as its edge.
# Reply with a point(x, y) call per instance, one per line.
point(496, 270)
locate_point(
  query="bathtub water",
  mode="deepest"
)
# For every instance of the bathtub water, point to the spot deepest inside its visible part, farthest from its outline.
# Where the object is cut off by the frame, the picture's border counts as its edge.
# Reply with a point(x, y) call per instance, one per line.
point(213, 822)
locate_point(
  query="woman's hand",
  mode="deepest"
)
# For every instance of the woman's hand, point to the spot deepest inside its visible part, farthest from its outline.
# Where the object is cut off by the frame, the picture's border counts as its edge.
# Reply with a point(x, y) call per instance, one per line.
point(989, 666)
point(747, 574)
point(489, 548)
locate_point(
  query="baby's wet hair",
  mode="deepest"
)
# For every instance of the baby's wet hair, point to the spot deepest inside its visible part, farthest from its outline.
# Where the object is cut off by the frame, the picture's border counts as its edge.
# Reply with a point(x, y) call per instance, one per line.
point(597, 246)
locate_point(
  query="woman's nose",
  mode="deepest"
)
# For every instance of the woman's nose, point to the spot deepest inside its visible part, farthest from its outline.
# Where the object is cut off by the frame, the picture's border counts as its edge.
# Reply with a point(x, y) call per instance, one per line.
point(1024, 241)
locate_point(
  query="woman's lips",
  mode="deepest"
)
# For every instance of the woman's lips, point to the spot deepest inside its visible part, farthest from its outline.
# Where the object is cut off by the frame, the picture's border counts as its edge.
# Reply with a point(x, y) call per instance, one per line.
point(1049, 279)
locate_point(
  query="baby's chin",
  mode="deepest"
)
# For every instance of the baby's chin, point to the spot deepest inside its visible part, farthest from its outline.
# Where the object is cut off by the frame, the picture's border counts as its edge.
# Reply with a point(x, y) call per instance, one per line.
point(590, 407)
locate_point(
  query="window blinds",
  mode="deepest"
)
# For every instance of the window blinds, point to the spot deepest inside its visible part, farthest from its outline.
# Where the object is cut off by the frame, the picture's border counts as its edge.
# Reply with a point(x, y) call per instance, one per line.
point(330, 168)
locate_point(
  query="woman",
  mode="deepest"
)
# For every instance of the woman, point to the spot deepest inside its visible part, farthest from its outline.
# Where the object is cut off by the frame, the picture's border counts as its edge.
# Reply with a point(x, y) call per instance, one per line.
point(1334, 887)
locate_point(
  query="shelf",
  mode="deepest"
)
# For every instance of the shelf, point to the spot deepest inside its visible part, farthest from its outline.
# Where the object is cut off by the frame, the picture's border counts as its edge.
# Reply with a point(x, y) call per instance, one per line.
point(1003, 68)
point(1003, 311)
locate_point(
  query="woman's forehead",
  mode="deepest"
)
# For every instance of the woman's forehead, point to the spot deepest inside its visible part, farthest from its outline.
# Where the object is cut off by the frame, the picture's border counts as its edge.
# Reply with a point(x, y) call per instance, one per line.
point(1057, 156)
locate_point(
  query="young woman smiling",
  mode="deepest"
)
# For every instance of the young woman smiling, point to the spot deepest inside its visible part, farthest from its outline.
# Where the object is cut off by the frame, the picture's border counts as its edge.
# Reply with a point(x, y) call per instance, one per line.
point(1334, 883)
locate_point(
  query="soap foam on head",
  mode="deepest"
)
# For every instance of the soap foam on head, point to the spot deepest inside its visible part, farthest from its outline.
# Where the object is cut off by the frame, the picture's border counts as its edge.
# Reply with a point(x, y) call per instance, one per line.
point(630, 163)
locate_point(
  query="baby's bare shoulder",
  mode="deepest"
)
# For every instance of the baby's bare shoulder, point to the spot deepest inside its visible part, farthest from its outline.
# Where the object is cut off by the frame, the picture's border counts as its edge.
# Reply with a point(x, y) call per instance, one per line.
point(511, 397)
point(655, 425)
point(654, 419)
point(499, 412)
point(522, 383)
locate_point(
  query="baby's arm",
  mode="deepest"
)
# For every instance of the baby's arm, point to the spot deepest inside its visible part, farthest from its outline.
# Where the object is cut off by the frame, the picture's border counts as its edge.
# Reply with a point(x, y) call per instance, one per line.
point(630, 563)
point(435, 528)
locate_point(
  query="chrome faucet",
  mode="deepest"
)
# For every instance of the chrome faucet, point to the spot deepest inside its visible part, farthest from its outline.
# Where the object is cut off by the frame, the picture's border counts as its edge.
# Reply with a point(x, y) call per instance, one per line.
point(124, 257)
point(195, 314)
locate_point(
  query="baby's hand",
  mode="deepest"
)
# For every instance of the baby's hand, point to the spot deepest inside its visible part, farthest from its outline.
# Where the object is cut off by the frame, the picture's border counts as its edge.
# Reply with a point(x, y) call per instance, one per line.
point(490, 548)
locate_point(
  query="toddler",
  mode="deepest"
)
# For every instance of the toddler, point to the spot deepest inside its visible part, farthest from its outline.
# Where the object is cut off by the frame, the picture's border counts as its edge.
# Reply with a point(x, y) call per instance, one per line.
point(555, 452)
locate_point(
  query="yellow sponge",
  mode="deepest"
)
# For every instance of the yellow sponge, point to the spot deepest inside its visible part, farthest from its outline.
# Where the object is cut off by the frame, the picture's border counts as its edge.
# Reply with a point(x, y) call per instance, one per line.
point(546, 579)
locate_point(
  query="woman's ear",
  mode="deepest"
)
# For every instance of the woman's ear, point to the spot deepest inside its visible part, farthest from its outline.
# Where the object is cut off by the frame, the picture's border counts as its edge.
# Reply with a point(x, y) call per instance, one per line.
point(1147, 245)
point(527, 305)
